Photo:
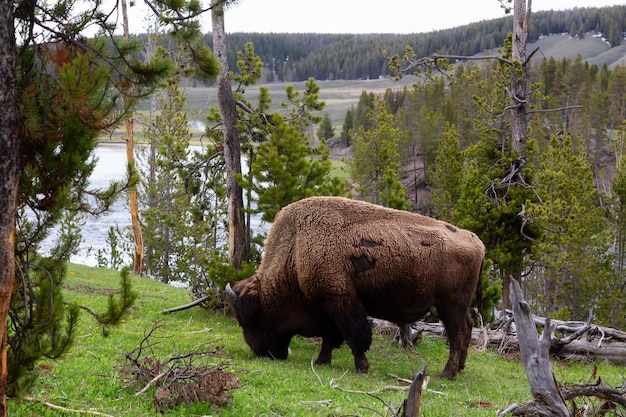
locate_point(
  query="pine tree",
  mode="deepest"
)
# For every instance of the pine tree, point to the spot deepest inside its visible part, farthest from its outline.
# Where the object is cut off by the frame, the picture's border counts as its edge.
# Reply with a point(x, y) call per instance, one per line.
point(64, 109)
point(326, 130)
point(376, 160)
point(179, 211)
point(346, 136)
point(447, 177)
point(573, 270)
point(614, 306)
point(286, 170)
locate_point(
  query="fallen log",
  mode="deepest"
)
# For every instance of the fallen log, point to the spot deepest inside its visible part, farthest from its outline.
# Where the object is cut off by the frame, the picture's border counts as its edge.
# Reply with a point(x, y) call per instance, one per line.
point(578, 341)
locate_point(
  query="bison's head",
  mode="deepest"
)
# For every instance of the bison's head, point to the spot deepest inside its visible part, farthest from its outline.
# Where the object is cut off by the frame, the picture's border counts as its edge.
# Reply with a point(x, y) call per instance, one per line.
point(260, 329)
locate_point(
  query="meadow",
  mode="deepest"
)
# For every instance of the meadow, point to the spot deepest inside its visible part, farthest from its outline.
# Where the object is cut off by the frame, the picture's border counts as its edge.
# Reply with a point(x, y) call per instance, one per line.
point(87, 380)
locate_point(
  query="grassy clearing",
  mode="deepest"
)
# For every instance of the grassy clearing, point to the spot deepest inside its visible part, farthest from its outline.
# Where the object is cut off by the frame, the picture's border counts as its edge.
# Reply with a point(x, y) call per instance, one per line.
point(86, 378)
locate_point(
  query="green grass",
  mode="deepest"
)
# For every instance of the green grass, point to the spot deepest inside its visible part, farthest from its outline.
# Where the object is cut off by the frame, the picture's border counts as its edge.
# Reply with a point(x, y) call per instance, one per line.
point(86, 378)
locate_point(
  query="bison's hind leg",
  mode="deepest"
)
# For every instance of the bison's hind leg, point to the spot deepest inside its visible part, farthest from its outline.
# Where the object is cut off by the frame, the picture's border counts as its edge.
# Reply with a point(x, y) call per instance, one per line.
point(459, 331)
point(466, 341)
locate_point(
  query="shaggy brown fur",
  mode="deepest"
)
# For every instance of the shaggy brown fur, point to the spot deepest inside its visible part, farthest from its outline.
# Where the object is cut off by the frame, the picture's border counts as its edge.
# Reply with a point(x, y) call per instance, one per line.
point(330, 262)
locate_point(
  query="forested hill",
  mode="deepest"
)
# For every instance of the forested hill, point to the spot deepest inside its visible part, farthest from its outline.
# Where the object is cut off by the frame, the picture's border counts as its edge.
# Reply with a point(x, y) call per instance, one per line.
point(298, 56)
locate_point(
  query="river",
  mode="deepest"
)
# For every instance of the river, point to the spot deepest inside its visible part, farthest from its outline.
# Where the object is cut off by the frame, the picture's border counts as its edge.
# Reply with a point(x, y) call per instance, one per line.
point(110, 166)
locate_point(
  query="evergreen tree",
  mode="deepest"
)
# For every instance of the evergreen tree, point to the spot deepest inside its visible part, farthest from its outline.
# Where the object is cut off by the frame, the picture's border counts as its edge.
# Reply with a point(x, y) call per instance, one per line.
point(375, 161)
point(181, 214)
point(64, 109)
point(447, 177)
point(348, 126)
point(283, 166)
point(573, 274)
point(285, 170)
point(614, 306)
point(326, 130)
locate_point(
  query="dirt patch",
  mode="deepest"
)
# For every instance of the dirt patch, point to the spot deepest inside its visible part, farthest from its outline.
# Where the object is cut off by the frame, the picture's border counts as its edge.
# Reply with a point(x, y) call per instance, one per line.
point(90, 289)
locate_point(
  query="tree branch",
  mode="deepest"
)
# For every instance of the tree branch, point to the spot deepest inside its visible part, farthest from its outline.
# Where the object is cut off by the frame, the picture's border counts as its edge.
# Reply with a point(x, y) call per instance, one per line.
point(186, 306)
point(67, 410)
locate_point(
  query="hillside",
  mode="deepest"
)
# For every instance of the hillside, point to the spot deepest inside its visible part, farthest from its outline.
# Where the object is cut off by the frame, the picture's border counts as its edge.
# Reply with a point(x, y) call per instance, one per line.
point(592, 48)
point(87, 380)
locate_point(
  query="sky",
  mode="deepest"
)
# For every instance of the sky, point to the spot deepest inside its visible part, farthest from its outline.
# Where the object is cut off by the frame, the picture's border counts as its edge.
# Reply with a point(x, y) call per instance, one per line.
point(372, 16)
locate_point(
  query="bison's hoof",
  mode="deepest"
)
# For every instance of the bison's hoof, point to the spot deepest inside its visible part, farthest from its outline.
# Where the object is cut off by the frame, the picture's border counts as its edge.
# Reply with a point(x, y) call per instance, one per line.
point(362, 366)
point(446, 374)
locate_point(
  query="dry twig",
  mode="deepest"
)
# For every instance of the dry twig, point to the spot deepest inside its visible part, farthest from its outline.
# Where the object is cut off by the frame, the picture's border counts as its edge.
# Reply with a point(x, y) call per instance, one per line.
point(67, 410)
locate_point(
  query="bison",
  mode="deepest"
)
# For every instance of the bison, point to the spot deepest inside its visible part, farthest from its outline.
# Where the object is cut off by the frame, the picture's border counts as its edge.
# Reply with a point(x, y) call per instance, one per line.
point(330, 262)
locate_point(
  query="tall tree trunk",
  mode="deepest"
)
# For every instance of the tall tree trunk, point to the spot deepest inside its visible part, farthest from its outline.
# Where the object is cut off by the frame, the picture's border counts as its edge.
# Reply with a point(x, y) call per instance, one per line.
point(519, 76)
point(519, 112)
point(237, 239)
point(10, 122)
point(132, 192)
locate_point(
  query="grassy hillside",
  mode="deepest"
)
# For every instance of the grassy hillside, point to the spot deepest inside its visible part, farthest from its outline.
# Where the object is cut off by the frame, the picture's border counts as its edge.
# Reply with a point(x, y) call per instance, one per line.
point(591, 49)
point(86, 379)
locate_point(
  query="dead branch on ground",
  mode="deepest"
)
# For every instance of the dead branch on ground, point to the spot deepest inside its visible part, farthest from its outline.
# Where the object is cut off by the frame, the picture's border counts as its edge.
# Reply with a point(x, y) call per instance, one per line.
point(65, 409)
point(178, 379)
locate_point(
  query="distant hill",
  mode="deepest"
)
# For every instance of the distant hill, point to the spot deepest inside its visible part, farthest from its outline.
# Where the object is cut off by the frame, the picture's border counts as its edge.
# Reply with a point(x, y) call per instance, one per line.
point(292, 57)
point(592, 48)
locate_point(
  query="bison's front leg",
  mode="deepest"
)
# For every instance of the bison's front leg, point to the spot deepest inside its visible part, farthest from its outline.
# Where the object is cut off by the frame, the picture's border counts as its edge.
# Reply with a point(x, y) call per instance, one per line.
point(330, 341)
point(351, 318)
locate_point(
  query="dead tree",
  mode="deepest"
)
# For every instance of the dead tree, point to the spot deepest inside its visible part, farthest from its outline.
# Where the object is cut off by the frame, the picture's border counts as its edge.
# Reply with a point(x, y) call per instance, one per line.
point(547, 399)
point(411, 406)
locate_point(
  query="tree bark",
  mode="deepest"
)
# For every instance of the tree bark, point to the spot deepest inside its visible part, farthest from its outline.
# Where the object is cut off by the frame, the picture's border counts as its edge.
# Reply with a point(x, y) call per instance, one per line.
point(414, 398)
point(132, 192)
point(10, 122)
point(519, 77)
point(547, 399)
point(237, 239)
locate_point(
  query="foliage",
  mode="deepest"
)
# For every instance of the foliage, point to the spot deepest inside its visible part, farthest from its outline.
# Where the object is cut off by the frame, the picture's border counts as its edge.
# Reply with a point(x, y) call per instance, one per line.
point(376, 160)
point(72, 90)
point(184, 196)
point(116, 253)
point(347, 128)
point(573, 269)
point(286, 170)
point(40, 325)
point(447, 178)
point(283, 166)
point(326, 130)
point(66, 102)
point(618, 220)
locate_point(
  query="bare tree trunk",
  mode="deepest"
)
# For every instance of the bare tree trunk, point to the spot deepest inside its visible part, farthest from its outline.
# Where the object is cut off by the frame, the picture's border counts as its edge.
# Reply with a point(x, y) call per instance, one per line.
point(10, 137)
point(237, 239)
point(132, 192)
point(547, 400)
point(519, 76)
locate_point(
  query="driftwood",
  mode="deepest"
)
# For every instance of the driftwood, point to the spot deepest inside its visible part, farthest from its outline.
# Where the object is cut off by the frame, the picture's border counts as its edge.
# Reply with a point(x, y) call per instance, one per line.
point(562, 340)
point(411, 406)
point(186, 306)
point(66, 410)
point(547, 399)
point(569, 340)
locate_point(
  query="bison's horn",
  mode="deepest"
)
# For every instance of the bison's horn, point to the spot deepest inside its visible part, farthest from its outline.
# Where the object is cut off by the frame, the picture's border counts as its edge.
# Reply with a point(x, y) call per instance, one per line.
point(232, 295)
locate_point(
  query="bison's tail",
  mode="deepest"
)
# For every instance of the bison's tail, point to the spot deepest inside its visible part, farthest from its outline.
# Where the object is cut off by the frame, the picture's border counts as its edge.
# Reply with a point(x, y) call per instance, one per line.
point(479, 289)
